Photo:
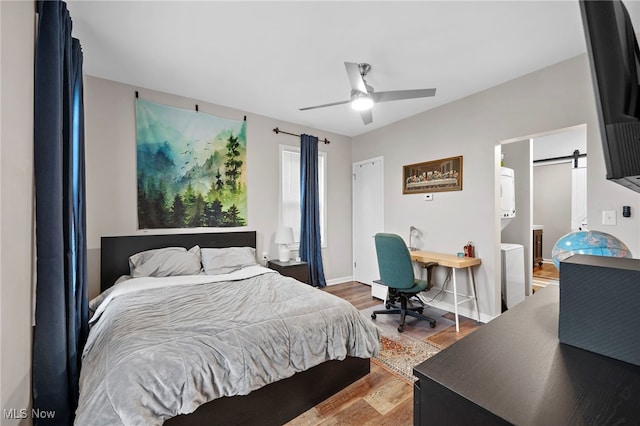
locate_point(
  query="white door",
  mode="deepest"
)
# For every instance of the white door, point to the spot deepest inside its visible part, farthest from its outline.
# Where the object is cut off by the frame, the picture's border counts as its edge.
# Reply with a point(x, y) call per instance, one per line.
point(578, 198)
point(367, 221)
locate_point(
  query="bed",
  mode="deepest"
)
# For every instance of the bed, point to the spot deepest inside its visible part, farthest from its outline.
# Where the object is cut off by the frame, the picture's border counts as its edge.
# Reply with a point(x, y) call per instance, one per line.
point(266, 396)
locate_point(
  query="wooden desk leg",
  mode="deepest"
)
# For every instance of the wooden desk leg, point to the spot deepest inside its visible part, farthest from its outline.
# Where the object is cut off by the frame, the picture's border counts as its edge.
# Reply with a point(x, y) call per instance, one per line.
point(455, 298)
point(472, 280)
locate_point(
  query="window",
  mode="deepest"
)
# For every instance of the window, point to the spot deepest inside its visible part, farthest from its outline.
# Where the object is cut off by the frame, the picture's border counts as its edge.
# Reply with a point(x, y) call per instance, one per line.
point(290, 190)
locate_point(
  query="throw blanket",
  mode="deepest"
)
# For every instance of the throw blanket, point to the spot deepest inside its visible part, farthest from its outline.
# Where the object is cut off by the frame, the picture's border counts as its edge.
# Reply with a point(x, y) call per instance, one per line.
point(163, 351)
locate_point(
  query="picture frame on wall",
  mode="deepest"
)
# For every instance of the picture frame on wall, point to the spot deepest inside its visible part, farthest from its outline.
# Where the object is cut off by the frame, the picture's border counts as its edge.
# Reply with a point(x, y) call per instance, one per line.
point(433, 176)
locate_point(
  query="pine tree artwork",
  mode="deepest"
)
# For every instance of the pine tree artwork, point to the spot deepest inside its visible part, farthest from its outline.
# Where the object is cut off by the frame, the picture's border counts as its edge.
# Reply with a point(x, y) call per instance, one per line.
point(191, 168)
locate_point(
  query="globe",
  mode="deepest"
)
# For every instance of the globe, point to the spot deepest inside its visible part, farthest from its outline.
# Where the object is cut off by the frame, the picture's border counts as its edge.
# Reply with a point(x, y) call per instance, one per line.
point(594, 243)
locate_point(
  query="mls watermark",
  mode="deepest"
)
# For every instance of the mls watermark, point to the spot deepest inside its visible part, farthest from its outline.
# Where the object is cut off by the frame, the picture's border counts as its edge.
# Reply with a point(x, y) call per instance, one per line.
point(23, 413)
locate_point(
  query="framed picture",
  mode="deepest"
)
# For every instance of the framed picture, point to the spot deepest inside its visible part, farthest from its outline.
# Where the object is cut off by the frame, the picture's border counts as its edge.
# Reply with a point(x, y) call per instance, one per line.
point(433, 176)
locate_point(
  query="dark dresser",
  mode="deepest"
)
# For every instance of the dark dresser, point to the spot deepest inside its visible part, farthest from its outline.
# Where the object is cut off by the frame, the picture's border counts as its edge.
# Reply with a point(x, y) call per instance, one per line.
point(514, 370)
point(292, 268)
point(537, 247)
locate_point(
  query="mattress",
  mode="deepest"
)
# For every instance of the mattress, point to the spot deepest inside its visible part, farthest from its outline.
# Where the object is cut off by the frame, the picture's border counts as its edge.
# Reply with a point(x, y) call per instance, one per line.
point(159, 347)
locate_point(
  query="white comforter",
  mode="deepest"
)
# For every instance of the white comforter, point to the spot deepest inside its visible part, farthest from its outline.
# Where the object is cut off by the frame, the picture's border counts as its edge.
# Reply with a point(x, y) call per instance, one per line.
point(160, 347)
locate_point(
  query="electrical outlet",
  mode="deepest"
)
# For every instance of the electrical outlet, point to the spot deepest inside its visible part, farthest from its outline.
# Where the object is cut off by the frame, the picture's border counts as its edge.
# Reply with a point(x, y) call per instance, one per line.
point(609, 217)
point(428, 197)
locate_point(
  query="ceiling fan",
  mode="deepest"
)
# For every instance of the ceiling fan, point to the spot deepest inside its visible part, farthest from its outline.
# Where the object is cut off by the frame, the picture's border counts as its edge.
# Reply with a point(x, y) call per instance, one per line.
point(363, 97)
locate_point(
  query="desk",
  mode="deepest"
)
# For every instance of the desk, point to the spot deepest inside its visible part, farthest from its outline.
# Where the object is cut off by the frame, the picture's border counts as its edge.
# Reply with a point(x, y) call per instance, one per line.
point(454, 262)
point(514, 370)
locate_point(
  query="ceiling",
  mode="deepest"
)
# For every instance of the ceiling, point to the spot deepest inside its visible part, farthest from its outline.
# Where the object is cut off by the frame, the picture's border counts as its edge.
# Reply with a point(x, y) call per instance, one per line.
point(272, 58)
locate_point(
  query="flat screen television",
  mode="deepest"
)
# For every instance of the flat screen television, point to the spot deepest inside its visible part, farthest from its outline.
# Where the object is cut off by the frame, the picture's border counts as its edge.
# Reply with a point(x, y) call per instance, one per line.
point(615, 63)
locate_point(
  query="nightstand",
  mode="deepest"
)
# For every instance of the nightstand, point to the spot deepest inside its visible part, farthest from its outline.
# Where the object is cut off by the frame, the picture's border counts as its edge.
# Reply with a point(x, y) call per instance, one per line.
point(292, 268)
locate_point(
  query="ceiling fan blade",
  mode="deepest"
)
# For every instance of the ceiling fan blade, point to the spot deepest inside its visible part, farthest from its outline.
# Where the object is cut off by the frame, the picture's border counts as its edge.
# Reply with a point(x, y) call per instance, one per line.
point(355, 78)
point(396, 95)
point(325, 105)
point(367, 116)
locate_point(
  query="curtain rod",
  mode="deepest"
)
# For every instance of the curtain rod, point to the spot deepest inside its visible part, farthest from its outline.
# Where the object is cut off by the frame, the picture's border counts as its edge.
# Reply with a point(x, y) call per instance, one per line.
point(276, 131)
point(574, 157)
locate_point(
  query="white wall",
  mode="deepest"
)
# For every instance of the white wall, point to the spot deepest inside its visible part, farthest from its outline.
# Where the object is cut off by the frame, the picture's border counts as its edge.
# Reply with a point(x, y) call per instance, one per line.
point(560, 144)
point(16, 204)
point(553, 98)
point(111, 174)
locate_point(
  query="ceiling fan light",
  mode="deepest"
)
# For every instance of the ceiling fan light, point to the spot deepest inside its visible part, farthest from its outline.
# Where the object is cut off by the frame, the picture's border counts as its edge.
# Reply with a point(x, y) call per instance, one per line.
point(362, 103)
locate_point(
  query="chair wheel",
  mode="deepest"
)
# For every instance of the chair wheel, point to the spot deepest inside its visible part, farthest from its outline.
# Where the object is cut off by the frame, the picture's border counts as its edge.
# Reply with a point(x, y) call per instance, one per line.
point(432, 324)
point(420, 310)
point(400, 328)
point(387, 305)
point(373, 316)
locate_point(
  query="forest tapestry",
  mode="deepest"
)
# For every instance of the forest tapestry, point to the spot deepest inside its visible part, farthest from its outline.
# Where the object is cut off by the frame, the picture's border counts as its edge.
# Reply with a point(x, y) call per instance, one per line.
point(191, 168)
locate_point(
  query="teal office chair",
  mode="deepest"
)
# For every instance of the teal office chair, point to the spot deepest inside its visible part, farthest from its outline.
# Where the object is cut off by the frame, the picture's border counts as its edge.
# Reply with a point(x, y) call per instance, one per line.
point(396, 272)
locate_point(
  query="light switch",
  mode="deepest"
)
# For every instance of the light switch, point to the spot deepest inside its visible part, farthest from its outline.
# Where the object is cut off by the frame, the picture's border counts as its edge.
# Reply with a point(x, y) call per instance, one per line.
point(609, 217)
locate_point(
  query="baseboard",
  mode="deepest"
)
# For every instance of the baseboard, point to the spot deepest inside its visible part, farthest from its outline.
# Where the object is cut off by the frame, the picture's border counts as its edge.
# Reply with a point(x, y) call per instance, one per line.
point(463, 310)
point(543, 282)
point(340, 280)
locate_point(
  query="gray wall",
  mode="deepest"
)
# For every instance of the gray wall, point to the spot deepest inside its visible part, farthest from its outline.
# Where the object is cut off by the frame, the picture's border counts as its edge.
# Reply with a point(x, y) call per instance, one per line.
point(111, 174)
point(17, 27)
point(553, 98)
point(552, 205)
point(553, 183)
point(517, 155)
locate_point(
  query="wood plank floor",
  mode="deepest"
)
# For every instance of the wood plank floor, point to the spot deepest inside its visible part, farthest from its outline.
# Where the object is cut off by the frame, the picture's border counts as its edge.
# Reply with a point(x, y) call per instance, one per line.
point(544, 275)
point(380, 398)
point(547, 270)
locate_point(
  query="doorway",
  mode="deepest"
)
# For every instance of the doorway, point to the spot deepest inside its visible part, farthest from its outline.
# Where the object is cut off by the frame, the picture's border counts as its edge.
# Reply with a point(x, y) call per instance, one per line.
point(531, 158)
point(368, 207)
point(560, 163)
point(559, 189)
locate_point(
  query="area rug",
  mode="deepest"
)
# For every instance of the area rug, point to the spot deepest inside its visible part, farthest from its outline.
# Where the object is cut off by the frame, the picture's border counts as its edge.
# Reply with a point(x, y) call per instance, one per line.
point(400, 352)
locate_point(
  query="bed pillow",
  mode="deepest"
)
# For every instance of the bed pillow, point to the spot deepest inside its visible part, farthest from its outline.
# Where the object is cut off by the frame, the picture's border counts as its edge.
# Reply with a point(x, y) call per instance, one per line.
point(218, 261)
point(166, 262)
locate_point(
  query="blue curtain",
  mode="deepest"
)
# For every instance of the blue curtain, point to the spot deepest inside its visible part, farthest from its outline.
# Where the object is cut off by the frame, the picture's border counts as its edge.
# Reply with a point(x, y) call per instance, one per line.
point(61, 313)
point(310, 244)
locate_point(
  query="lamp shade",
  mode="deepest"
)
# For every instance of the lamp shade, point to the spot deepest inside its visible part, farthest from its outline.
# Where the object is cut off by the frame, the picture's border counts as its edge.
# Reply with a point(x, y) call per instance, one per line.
point(284, 235)
point(413, 234)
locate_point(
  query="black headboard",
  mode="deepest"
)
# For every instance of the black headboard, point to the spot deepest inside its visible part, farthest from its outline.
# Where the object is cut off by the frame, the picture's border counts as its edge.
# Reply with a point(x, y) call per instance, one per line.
point(115, 251)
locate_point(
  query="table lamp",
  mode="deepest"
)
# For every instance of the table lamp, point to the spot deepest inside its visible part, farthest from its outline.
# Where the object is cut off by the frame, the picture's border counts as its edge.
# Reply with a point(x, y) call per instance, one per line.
point(284, 236)
point(413, 233)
